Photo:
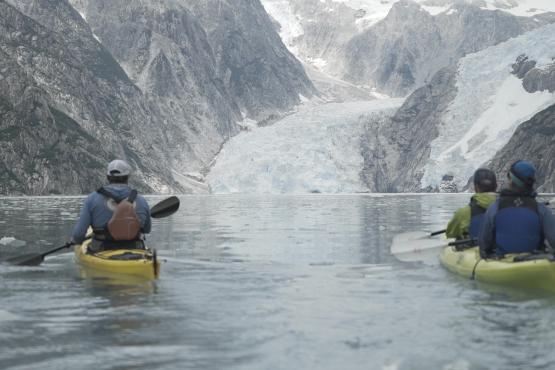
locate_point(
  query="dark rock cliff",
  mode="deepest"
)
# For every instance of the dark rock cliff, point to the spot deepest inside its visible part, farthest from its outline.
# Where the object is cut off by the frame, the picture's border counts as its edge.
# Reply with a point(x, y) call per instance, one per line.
point(161, 84)
point(534, 140)
point(396, 149)
point(78, 84)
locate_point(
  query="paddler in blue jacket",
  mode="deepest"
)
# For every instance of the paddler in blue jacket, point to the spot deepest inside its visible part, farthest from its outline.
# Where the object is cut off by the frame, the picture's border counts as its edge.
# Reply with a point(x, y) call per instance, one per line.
point(467, 221)
point(100, 205)
point(516, 222)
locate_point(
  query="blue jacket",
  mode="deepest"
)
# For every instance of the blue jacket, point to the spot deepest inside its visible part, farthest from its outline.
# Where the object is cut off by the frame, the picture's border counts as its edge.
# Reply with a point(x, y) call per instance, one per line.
point(96, 213)
point(487, 235)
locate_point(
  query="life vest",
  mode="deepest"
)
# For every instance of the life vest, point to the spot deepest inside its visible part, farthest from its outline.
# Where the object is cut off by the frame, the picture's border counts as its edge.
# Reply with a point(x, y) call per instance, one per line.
point(518, 227)
point(477, 215)
point(124, 224)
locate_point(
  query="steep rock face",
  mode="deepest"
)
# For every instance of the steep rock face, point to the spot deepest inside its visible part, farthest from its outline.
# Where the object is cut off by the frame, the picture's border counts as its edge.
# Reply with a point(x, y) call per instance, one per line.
point(78, 86)
point(404, 50)
point(396, 149)
point(42, 149)
point(165, 51)
point(261, 74)
point(462, 117)
point(203, 66)
point(534, 141)
point(169, 98)
point(396, 46)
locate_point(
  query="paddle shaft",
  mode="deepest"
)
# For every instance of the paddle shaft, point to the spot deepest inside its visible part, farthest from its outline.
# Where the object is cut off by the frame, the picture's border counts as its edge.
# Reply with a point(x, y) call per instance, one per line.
point(437, 232)
point(461, 242)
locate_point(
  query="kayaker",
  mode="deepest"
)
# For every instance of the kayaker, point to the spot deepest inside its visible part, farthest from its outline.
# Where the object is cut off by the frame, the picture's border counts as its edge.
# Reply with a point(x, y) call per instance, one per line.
point(467, 221)
point(99, 208)
point(516, 222)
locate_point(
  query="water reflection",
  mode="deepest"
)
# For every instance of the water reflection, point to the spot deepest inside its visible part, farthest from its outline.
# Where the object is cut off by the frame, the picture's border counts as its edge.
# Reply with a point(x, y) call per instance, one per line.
point(263, 282)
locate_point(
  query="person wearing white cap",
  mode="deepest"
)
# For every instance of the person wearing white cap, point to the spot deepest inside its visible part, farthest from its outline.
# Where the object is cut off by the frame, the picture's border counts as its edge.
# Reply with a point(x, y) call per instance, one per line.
point(98, 211)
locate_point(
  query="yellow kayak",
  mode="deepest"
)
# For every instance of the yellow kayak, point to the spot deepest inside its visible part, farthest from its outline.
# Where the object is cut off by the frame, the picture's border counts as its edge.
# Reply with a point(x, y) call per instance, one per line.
point(533, 272)
point(129, 262)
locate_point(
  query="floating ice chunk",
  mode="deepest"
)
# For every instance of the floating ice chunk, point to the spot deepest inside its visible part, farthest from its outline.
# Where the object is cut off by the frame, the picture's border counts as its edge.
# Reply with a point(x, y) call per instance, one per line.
point(11, 241)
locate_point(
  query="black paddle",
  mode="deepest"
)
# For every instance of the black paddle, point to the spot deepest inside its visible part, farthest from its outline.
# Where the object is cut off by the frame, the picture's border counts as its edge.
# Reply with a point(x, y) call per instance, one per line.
point(438, 232)
point(33, 259)
point(165, 208)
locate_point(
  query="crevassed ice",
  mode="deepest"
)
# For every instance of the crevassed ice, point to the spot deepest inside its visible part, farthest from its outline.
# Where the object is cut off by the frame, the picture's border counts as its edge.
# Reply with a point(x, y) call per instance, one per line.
point(314, 150)
point(489, 106)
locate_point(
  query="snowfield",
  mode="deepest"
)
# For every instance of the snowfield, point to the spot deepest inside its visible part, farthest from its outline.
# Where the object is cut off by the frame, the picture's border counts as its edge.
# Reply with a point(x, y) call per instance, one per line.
point(314, 150)
point(489, 106)
point(376, 10)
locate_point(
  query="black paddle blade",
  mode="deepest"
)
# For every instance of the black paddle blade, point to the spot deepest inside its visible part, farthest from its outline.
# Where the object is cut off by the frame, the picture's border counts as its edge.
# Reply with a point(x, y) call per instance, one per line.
point(34, 259)
point(165, 208)
point(26, 260)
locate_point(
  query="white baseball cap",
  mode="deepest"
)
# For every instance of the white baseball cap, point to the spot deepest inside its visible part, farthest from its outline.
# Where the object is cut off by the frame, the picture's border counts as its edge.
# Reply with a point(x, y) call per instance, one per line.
point(119, 168)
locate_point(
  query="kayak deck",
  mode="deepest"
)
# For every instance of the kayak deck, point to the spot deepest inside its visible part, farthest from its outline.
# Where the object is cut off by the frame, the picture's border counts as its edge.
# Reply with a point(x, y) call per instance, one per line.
point(132, 262)
point(536, 274)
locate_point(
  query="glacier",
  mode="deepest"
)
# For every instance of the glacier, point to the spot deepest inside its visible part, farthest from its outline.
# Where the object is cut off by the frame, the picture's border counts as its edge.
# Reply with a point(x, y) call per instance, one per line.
point(315, 150)
point(490, 104)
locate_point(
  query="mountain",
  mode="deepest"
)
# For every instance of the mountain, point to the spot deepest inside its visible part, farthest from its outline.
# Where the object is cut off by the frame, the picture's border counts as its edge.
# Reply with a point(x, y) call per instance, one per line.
point(154, 82)
point(68, 107)
point(467, 113)
point(397, 46)
point(204, 66)
point(534, 140)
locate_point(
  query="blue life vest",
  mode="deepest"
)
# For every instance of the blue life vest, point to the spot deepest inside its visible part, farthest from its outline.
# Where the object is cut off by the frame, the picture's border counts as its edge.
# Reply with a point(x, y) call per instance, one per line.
point(518, 227)
point(477, 216)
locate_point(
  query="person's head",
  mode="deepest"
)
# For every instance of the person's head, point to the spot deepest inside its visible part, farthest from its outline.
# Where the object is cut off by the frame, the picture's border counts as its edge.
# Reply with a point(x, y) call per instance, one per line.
point(484, 181)
point(118, 172)
point(522, 175)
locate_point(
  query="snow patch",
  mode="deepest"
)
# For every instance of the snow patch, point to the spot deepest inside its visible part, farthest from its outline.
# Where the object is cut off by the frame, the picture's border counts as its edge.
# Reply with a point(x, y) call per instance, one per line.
point(435, 10)
point(318, 63)
point(82, 15)
point(489, 106)
point(523, 8)
point(290, 23)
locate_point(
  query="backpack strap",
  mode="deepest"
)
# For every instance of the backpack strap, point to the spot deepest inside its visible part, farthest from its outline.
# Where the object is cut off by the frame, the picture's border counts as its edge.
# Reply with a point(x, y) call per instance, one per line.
point(132, 196)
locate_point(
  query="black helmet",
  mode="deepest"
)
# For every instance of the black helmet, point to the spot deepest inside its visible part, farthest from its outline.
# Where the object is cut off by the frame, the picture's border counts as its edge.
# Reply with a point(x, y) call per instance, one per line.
point(485, 179)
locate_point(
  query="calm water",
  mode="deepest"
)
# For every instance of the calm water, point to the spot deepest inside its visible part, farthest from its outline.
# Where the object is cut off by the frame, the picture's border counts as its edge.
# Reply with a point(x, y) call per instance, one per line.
point(263, 282)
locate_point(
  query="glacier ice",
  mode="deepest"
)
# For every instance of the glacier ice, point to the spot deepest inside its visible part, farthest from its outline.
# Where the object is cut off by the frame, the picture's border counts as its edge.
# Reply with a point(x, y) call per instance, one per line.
point(316, 149)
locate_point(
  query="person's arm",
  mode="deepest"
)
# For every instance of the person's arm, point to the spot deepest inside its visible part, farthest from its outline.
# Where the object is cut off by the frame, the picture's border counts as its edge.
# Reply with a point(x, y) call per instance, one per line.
point(458, 225)
point(80, 230)
point(143, 211)
point(548, 224)
point(486, 239)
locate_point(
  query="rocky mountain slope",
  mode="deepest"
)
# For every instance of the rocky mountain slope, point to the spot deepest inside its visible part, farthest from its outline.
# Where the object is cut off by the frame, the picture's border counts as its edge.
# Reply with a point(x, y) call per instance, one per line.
point(155, 83)
point(534, 140)
point(202, 66)
point(396, 46)
point(66, 100)
point(463, 117)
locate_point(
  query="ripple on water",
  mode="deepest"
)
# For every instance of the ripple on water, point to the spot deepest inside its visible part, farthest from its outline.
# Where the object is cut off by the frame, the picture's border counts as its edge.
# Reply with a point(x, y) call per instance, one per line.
point(264, 282)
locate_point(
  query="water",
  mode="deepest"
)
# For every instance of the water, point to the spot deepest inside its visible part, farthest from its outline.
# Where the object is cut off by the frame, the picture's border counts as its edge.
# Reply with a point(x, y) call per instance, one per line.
point(264, 282)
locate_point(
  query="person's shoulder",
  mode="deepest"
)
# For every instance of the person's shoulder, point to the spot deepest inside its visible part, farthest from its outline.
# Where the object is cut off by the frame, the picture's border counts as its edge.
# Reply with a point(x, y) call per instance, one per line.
point(463, 209)
point(93, 196)
point(142, 200)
